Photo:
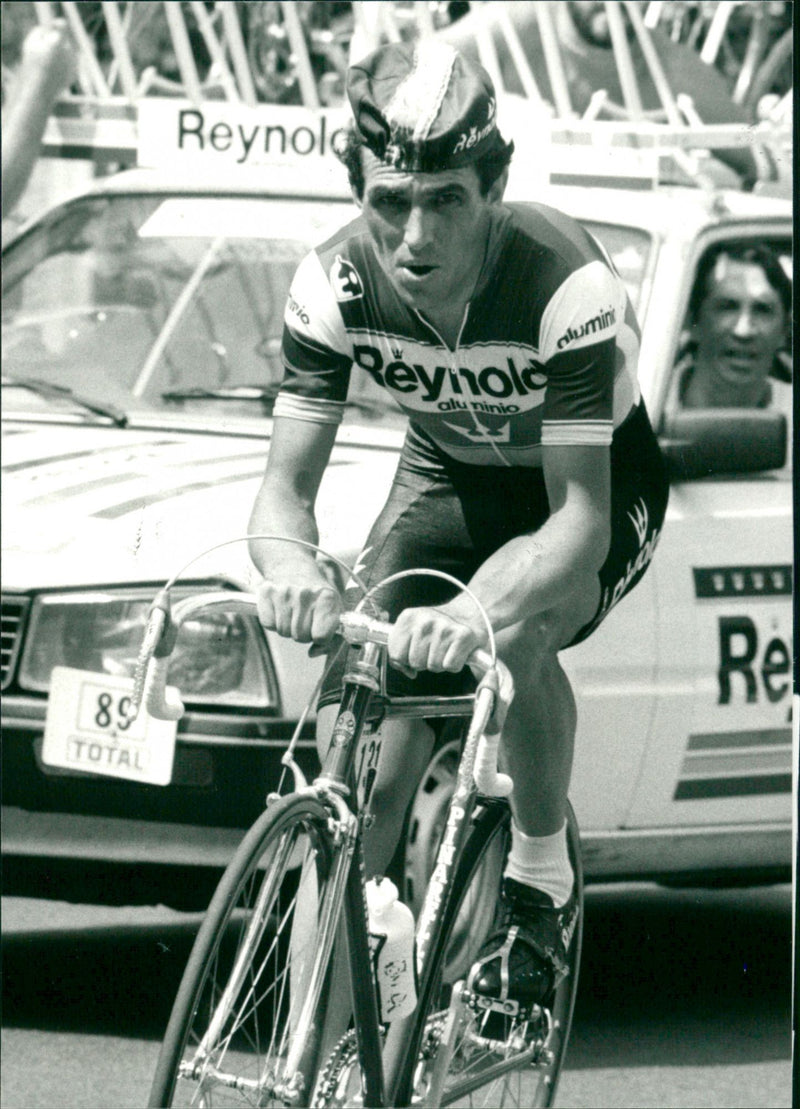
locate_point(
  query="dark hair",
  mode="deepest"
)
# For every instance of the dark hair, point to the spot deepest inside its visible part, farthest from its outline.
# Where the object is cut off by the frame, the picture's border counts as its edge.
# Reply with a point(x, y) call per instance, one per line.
point(350, 145)
point(755, 254)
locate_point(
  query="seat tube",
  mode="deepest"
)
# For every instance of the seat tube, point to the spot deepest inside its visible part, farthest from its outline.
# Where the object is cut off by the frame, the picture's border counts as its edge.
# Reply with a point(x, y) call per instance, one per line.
point(365, 999)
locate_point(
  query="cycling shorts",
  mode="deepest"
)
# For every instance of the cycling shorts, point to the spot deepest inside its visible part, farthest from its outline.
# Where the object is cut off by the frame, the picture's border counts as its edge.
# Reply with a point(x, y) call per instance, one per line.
point(448, 515)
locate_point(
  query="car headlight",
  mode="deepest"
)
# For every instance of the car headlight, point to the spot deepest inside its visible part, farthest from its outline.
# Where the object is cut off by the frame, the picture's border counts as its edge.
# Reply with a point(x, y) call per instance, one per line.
point(220, 659)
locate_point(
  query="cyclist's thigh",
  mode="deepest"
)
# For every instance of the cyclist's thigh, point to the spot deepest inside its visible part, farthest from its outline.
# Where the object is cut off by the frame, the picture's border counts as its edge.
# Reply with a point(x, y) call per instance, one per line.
point(639, 494)
point(422, 525)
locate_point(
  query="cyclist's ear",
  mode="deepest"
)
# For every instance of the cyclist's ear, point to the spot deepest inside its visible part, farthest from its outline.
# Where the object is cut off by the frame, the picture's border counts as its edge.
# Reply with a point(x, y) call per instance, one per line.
point(498, 188)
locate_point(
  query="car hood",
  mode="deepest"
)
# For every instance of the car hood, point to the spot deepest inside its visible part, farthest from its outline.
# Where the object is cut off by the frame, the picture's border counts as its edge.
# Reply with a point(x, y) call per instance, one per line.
point(102, 506)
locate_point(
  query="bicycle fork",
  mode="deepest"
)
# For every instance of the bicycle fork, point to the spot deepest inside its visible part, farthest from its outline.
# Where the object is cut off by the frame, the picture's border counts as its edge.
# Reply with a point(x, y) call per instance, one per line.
point(291, 1084)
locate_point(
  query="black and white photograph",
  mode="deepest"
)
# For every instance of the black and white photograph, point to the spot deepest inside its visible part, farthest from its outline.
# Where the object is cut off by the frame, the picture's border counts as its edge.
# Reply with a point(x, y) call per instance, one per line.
point(399, 693)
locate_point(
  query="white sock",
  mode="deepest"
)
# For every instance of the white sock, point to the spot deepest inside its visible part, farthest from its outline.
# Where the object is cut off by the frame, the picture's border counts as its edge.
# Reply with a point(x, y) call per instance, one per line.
point(541, 862)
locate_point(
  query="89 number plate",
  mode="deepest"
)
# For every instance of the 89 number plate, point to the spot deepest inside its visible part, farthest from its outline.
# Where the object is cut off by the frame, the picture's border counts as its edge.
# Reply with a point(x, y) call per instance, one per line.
point(88, 729)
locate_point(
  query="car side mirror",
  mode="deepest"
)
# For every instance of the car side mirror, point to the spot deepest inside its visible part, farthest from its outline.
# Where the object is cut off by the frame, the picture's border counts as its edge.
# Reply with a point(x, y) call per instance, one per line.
point(707, 442)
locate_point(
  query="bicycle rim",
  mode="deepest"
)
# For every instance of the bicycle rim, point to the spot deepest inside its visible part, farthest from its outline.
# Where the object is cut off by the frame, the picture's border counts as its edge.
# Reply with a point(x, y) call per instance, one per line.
point(237, 1006)
point(457, 1065)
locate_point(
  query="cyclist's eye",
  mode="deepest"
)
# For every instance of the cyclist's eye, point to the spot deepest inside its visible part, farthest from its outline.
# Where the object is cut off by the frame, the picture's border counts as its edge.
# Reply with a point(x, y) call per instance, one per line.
point(391, 204)
point(447, 200)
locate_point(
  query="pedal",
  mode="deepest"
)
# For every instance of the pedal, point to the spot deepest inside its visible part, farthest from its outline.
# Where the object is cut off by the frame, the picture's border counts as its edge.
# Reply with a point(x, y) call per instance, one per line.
point(506, 1026)
point(506, 1008)
point(500, 1035)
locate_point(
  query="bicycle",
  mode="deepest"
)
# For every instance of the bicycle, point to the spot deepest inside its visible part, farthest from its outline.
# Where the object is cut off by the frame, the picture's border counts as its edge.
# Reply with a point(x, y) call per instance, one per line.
point(249, 1023)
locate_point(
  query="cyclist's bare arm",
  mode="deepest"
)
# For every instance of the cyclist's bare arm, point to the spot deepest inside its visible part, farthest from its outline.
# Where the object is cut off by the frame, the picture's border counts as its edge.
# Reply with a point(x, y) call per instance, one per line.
point(535, 573)
point(530, 573)
point(296, 599)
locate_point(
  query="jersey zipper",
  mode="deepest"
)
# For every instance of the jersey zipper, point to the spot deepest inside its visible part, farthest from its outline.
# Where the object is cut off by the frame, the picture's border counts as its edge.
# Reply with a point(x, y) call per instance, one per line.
point(453, 356)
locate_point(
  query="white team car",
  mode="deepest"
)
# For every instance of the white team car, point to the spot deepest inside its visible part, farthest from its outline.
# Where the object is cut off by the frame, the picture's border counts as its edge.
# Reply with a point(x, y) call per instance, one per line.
point(141, 332)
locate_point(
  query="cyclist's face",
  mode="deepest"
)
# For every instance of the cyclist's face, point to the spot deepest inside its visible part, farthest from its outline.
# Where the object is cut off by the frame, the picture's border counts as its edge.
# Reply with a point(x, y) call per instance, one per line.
point(429, 231)
point(741, 324)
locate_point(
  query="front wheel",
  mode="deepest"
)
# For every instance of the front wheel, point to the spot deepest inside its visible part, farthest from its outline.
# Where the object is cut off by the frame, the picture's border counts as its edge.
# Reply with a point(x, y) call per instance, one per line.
point(462, 1058)
point(237, 1009)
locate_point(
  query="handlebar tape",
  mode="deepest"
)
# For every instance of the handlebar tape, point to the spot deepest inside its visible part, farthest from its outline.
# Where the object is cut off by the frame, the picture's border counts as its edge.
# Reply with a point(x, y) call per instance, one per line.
point(487, 779)
point(160, 702)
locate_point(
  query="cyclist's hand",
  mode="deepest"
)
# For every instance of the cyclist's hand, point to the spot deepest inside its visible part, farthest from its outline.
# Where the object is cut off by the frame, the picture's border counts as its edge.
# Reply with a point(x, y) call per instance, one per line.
point(307, 612)
point(429, 639)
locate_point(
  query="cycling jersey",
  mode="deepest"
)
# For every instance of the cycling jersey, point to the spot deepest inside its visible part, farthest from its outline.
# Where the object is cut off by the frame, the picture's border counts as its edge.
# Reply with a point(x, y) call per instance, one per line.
point(546, 353)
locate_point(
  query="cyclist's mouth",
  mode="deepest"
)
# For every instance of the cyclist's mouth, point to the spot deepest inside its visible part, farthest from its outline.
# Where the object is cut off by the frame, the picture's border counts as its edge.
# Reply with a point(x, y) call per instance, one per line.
point(417, 271)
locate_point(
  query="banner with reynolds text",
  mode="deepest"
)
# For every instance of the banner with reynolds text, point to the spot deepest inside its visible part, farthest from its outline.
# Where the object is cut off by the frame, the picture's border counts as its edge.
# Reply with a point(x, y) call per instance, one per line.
point(218, 133)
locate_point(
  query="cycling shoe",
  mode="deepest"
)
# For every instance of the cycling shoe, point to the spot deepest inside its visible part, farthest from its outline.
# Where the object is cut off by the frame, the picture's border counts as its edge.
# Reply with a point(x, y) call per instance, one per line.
point(525, 955)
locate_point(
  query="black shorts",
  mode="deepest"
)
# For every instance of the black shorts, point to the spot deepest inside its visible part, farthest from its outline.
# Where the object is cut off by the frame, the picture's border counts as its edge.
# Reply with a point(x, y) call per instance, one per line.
point(447, 515)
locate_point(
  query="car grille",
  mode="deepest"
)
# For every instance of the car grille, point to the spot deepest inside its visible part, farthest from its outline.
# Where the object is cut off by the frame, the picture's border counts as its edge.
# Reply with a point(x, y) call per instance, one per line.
point(13, 618)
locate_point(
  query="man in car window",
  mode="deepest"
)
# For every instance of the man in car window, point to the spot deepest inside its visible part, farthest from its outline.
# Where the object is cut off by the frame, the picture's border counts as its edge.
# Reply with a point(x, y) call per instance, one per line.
point(529, 470)
point(739, 314)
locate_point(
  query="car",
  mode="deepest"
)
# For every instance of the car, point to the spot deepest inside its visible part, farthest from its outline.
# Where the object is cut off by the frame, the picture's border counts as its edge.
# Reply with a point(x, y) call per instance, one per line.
point(141, 333)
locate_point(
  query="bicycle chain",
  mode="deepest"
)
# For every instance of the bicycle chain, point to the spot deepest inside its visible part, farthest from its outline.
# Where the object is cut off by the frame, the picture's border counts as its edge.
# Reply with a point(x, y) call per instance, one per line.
point(344, 1054)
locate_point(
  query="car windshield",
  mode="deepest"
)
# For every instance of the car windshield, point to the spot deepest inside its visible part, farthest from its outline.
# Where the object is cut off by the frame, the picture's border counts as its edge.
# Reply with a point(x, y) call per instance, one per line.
point(171, 304)
point(629, 250)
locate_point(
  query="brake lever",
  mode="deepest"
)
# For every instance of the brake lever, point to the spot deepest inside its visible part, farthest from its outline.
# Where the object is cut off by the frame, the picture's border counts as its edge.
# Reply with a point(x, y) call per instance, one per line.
point(493, 697)
point(150, 678)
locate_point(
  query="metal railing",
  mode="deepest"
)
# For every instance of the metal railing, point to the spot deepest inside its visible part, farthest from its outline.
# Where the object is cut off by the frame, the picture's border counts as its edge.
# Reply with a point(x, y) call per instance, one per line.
point(295, 52)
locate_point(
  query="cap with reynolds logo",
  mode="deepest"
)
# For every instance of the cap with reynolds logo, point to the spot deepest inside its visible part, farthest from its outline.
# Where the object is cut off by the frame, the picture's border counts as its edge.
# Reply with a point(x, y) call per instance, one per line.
point(423, 107)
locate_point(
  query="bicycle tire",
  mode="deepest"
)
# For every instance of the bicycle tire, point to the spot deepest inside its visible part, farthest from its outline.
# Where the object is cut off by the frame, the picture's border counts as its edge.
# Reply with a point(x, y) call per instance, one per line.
point(254, 1032)
point(527, 1076)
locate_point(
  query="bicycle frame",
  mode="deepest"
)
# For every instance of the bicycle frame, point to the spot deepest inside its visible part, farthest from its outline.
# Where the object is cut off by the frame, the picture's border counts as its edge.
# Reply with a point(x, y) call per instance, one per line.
point(382, 1065)
point(382, 1069)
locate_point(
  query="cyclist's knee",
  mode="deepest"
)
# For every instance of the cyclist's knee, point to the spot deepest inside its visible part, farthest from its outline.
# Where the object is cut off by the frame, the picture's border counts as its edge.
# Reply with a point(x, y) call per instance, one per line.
point(532, 645)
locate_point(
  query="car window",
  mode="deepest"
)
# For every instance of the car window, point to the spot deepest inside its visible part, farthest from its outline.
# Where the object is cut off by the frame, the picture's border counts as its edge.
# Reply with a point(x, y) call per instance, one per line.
point(146, 301)
point(733, 369)
point(629, 250)
point(734, 348)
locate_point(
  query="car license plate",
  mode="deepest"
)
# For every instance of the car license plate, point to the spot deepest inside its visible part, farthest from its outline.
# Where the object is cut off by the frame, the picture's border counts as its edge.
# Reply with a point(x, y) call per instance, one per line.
point(88, 728)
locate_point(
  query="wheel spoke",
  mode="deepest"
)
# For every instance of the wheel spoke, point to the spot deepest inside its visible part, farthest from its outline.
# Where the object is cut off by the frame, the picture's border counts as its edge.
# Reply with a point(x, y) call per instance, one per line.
point(469, 1058)
point(250, 925)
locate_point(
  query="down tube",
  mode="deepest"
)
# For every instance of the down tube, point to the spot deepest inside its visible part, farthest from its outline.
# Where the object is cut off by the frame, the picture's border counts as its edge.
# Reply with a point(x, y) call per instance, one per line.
point(346, 733)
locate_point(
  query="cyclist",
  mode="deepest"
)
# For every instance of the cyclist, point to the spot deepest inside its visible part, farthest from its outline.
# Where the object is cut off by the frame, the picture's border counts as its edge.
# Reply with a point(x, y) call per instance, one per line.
point(529, 468)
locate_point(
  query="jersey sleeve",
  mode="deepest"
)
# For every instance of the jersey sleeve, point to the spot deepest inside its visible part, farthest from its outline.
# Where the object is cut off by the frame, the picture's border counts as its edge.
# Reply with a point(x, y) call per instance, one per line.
point(315, 349)
point(578, 343)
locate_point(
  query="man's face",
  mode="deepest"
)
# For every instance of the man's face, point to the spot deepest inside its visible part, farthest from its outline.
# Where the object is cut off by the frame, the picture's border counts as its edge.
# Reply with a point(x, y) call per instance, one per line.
point(741, 324)
point(429, 231)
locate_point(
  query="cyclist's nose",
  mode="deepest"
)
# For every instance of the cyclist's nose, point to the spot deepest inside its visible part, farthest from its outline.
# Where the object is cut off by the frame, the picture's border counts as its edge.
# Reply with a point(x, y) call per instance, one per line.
point(419, 230)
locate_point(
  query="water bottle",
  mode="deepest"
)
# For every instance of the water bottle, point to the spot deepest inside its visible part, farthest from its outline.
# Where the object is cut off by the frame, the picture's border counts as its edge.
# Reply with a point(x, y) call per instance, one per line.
point(391, 928)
